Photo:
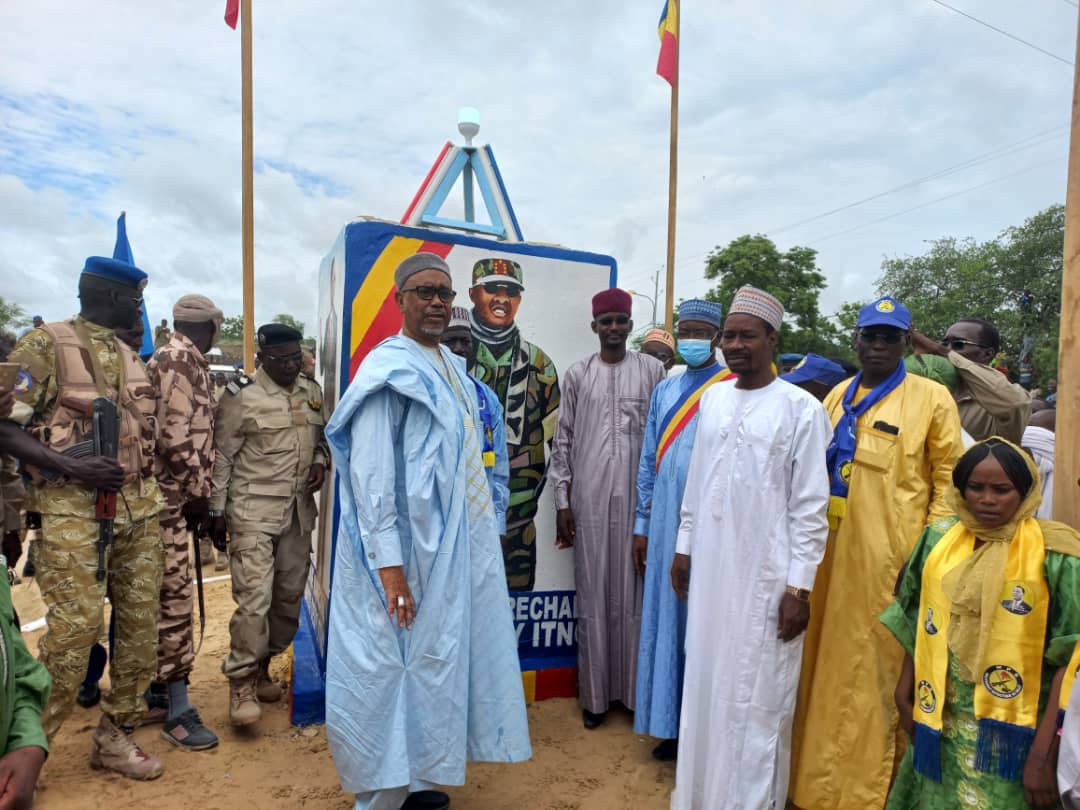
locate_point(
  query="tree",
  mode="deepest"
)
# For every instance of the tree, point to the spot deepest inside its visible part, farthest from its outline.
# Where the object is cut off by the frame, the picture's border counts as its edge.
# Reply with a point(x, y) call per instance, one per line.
point(232, 329)
point(1014, 281)
point(12, 316)
point(289, 320)
point(793, 277)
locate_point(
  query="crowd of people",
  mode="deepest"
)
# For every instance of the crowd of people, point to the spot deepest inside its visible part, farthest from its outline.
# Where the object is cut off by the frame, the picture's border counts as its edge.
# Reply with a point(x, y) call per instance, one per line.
point(835, 587)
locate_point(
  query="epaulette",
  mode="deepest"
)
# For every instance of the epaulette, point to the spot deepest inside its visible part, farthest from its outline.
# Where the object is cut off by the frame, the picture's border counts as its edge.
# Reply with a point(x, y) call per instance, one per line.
point(234, 386)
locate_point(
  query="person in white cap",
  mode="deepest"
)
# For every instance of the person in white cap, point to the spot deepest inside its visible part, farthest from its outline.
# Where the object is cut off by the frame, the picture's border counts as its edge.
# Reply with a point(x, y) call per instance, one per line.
point(752, 534)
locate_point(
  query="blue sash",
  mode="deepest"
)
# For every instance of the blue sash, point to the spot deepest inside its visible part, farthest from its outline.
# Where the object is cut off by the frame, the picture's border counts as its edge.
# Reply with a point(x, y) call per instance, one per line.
point(487, 418)
point(841, 450)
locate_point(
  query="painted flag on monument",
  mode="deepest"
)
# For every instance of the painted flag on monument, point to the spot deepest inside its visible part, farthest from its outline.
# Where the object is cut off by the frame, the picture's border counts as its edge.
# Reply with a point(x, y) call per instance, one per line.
point(232, 12)
point(669, 44)
point(122, 252)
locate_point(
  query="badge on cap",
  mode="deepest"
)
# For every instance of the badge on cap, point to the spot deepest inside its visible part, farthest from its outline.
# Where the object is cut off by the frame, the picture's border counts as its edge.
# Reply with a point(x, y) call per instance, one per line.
point(885, 305)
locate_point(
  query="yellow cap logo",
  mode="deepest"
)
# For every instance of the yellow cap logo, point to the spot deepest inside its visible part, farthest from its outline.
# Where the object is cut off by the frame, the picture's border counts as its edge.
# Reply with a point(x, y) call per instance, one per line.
point(885, 306)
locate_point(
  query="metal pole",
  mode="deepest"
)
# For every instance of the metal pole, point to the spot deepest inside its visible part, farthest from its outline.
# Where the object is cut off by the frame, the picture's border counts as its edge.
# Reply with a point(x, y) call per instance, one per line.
point(673, 173)
point(248, 188)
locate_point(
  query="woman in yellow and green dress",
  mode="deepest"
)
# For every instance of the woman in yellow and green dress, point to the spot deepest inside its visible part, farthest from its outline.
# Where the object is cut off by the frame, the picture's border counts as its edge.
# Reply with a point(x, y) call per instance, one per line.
point(988, 611)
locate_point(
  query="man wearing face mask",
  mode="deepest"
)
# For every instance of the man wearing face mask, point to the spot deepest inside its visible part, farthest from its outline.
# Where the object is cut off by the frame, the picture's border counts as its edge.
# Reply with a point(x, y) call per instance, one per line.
point(605, 400)
point(270, 460)
point(661, 479)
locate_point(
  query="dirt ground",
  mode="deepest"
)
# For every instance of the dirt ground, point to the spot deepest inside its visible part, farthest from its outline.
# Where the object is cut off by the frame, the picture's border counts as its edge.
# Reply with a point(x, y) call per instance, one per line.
point(281, 767)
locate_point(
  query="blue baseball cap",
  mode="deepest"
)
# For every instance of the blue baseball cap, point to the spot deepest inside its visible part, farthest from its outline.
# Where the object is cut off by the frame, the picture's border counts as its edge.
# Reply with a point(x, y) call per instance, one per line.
point(115, 270)
point(885, 311)
point(817, 368)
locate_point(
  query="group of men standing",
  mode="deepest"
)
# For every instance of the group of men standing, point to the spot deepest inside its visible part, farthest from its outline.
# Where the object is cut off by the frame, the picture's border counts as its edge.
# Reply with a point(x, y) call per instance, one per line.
point(124, 462)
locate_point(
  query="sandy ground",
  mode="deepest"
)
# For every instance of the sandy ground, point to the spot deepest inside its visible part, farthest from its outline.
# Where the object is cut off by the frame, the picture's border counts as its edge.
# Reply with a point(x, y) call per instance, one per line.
point(281, 767)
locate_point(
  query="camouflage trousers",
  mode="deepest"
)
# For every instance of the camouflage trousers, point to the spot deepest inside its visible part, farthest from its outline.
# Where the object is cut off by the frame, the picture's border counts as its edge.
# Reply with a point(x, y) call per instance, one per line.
point(269, 573)
point(519, 547)
point(176, 646)
point(66, 560)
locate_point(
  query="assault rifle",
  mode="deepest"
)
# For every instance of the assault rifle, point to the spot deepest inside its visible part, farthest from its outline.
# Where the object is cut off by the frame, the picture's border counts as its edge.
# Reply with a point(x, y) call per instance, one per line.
point(106, 443)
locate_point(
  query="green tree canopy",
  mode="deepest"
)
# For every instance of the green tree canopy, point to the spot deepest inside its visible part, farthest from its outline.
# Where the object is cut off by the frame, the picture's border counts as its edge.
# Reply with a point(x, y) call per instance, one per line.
point(289, 320)
point(12, 316)
point(1013, 281)
point(792, 276)
point(232, 329)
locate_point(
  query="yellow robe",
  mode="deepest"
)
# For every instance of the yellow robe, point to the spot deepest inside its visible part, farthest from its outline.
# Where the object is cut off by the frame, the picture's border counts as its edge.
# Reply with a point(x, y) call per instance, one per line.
point(845, 733)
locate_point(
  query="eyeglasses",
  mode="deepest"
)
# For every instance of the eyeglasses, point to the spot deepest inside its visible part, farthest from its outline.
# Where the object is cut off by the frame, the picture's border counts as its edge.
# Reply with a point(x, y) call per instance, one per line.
point(510, 290)
point(891, 338)
point(958, 344)
point(283, 358)
point(610, 320)
point(425, 292)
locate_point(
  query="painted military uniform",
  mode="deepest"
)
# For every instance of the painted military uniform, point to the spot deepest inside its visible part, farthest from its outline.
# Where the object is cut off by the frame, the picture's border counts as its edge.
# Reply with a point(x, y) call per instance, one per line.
point(267, 437)
point(526, 383)
point(64, 367)
point(183, 466)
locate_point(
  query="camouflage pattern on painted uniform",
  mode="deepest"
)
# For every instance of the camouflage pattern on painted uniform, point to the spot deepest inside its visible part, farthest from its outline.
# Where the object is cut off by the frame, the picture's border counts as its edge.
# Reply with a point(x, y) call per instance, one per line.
point(66, 557)
point(525, 380)
point(182, 466)
point(12, 494)
point(267, 438)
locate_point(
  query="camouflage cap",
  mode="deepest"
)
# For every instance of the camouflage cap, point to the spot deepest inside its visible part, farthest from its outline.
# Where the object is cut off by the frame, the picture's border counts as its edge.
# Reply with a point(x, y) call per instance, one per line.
point(499, 271)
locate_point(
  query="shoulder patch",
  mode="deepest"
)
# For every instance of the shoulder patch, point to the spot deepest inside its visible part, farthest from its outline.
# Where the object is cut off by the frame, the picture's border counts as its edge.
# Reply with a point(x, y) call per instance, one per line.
point(234, 386)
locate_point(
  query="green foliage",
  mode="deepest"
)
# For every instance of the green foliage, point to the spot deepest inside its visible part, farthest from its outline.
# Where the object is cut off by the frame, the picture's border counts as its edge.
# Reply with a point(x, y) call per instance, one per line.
point(232, 329)
point(289, 320)
point(962, 278)
point(12, 316)
point(793, 277)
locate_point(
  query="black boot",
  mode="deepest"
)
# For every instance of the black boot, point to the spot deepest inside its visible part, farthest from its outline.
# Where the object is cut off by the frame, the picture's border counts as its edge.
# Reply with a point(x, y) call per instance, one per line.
point(89, 695)
point(427, 800)
point(592, 719)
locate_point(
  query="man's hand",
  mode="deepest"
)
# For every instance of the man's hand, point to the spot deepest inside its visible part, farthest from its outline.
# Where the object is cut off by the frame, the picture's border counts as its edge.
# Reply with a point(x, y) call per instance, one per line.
point(19, 771)
point(399, 600)
point(638, 553)
point(315, 477)
point(96, 472)
point(11, 545)
point(219, 530)
point(794, 616)
point(7, 402)
point(924, 345)
point(1040, 778)
point(195, 514)
point(680, 576)
point(565, 528)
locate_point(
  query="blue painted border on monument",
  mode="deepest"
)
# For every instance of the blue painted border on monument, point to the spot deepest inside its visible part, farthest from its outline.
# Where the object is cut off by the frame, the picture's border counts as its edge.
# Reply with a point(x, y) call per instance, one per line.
point(308, 682)
point(505, 195)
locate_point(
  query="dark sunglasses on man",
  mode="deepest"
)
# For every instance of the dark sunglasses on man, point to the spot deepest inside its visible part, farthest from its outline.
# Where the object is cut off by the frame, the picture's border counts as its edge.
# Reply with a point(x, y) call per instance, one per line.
point(958, 344)
point(873, 336)
point(510, 290)
point(609, 320)
point(425, 292)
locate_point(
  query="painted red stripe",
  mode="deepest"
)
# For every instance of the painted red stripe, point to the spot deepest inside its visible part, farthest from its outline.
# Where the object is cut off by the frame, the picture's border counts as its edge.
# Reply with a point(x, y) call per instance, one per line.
point(424, 185)
point(556, 683)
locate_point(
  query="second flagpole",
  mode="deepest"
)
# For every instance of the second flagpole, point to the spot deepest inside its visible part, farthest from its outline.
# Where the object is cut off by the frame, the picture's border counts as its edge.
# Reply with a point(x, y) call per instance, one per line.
point(673, 178)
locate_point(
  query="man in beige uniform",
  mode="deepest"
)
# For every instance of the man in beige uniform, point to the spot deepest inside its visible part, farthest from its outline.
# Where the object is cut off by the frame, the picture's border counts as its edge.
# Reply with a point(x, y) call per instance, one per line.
point(271, 459)
point(989, 404)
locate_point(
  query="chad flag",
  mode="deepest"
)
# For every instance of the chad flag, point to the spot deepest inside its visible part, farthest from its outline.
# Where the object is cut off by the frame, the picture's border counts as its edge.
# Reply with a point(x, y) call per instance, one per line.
point(668, 29)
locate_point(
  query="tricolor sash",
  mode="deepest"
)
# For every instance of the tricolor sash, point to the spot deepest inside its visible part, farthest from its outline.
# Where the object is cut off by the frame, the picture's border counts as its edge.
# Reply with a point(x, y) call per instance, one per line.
point(1009, 676)
point(685, 408)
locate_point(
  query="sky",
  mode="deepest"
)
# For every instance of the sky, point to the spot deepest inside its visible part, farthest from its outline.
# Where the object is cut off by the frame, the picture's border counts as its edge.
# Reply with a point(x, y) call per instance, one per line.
point(788, 110)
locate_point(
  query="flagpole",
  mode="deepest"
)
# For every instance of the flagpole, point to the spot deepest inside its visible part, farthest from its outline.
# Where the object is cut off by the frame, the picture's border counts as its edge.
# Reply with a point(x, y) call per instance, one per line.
point(248, 188)
point(1066, 448)
point(673, 179)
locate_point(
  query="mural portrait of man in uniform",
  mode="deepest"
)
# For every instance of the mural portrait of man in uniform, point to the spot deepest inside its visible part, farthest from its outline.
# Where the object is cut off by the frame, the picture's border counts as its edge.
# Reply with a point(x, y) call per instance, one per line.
point(526, 382)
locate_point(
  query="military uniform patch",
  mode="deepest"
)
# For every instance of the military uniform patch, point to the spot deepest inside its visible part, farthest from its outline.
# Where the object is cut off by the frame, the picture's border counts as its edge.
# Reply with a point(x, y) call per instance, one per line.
point(234, 386)
point(927, 697)
point(23, 382)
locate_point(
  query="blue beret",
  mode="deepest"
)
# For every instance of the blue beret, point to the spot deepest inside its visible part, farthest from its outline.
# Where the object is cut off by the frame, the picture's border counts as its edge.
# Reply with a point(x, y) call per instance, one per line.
point(885, 311)
point(698, 309)
point(816, 367)
point(115, 270)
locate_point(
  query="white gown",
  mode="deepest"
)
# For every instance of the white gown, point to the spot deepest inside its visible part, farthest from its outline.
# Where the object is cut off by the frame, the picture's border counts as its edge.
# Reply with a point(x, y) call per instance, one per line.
point(753, 522)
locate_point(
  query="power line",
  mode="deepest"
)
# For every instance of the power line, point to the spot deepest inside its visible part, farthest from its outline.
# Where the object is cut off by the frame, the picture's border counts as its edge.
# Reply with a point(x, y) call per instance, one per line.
point(1029, 142)
point(928, 203)
point(1003, 32)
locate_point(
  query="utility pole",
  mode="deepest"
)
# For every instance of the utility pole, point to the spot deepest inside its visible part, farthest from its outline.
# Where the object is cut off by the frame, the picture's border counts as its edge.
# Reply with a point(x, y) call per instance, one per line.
point(655, 295)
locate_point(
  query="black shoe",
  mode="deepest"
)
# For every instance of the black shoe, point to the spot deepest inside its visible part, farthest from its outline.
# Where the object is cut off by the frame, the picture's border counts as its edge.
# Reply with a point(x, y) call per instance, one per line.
point(28, 570)
point(89, 695)
point(667, 750)
point(187, 731)
point(427, 800)
point(592, 720)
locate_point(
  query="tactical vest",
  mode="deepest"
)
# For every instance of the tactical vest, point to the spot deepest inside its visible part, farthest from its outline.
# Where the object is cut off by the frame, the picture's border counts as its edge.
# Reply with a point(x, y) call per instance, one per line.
point(70, 422)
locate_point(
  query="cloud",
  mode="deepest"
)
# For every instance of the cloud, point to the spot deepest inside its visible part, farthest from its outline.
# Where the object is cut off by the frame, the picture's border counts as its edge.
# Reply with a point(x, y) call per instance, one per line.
point(787, 110)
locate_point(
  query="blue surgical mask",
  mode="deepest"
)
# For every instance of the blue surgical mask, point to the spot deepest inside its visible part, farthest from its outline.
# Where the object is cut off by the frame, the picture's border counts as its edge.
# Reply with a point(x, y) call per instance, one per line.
point(696, 352)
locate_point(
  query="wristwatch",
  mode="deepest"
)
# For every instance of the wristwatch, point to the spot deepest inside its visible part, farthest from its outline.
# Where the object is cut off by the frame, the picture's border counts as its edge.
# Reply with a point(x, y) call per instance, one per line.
point(216, 513)
point(802, 594)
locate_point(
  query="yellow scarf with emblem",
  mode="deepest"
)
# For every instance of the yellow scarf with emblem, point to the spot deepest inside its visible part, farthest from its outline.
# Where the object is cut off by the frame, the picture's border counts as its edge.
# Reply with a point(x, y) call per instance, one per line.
point(989, 606)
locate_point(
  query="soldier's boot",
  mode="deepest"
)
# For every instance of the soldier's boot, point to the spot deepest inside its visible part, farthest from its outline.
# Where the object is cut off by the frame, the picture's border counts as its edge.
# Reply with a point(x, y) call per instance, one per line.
point(115, 749)
point(222, 563)
point(157, 704)
point(243, 702)
point(268, 690)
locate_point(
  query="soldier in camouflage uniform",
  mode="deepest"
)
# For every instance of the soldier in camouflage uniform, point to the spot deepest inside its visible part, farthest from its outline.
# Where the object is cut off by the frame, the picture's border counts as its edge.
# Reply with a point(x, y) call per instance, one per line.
point(65, 366)
point(180, 374)
point(271, 458)
point(527, 385)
